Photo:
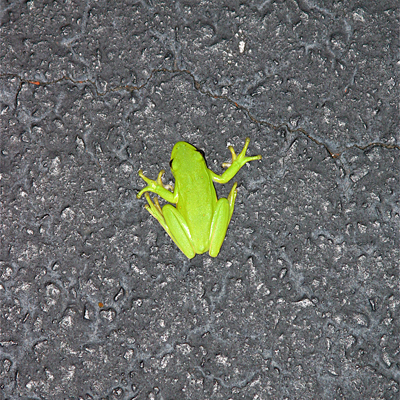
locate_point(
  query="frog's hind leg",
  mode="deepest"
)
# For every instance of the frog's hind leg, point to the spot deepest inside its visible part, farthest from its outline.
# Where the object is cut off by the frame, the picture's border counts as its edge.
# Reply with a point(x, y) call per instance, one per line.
point(177, 228)
point(231, 200)
point(155, 210)
point(173, 223)
point(222, 217)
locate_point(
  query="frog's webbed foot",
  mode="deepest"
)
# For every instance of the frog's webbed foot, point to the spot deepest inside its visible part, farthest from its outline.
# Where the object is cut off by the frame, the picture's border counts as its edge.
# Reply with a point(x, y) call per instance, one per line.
point(241, 158)
point(161, 183)
point(234, 157)
point(153, 185)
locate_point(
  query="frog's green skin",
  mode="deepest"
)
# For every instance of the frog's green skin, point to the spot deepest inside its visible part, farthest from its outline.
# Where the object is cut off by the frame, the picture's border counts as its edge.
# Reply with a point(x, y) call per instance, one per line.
point(199, 221)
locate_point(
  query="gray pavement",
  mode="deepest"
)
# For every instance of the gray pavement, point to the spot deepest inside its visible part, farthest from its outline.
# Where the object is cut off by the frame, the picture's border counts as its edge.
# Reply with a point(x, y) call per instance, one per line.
point(303, 301)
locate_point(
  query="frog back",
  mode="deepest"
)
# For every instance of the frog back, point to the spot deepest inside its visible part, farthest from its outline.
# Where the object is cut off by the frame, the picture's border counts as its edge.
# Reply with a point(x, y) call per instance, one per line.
point(197, 198)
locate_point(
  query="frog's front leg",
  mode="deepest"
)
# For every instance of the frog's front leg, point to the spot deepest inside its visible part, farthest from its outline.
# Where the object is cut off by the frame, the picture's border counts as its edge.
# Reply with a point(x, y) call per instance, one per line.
point(234, 166)
point(220, 222)
point(158, 187)
point(173, 223)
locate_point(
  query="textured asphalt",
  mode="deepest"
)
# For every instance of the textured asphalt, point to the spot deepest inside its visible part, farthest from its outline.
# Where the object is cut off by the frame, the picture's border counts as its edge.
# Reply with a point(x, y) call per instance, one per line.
point(303, 301)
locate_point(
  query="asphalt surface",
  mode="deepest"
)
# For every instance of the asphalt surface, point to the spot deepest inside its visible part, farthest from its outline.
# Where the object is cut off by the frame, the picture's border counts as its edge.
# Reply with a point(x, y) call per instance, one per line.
point(303, 301)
